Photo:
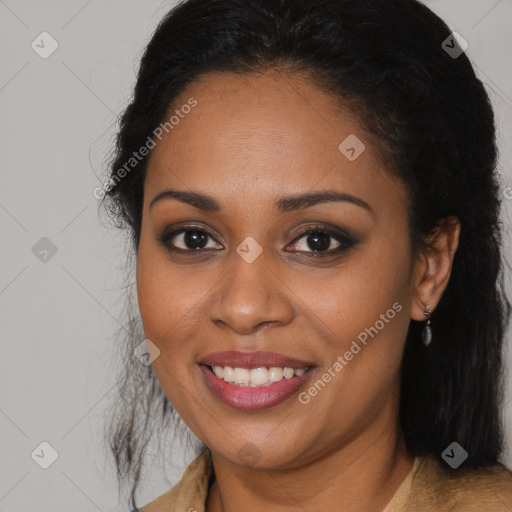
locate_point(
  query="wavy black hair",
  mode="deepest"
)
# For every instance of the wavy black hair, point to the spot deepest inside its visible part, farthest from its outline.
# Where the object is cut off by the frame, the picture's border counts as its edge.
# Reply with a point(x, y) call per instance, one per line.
point(432, 122)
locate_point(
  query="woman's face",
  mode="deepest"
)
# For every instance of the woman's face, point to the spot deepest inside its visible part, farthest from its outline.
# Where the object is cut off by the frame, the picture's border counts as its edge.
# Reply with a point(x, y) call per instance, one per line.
point(338, 299)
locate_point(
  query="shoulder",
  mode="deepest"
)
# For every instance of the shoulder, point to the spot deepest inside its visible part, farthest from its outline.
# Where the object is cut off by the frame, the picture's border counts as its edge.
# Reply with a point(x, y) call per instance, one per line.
point(431, 485)
point(190, 492)
point(436, 485)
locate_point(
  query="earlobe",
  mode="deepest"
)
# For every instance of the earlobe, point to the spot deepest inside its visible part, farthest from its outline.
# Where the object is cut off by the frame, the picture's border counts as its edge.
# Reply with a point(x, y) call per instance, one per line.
point(434, 267)
point(425, 286)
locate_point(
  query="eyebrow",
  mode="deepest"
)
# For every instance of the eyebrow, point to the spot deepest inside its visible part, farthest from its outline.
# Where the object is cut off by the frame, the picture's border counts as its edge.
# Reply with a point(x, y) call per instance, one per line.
point(283, 205)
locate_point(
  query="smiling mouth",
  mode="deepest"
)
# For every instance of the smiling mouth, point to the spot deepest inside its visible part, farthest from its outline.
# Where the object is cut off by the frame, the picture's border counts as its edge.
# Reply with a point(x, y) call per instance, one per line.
point(261, 376)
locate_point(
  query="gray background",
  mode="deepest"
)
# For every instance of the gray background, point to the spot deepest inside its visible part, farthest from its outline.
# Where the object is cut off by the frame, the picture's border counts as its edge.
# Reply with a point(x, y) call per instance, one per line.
point(58, 316)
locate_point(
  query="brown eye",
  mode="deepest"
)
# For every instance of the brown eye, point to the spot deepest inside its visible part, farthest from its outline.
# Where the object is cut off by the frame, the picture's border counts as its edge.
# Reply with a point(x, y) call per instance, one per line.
point(320, 242)
point(317, 241)
point(187, 240)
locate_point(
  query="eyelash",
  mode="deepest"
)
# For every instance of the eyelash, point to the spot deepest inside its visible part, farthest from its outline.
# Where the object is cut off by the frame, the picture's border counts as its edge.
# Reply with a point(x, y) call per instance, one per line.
point(345, 241)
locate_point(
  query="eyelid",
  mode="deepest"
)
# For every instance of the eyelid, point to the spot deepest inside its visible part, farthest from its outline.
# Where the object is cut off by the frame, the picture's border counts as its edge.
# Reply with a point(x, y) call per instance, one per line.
point(335, 232)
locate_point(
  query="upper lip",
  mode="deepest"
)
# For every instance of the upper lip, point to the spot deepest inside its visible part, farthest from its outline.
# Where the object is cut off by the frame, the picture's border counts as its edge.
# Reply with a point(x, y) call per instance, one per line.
point(234, 358)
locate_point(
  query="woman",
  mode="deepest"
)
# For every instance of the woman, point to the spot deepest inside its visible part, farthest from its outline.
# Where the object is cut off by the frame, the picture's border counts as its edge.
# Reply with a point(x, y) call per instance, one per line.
point(311, 193)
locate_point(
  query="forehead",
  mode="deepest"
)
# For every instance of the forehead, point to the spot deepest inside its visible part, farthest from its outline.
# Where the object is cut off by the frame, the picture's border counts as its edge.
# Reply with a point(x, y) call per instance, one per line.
point(253, 136)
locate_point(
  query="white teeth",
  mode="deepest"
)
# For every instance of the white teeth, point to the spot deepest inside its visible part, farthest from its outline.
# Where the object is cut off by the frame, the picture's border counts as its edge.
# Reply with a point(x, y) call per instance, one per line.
point(259, 376)
point(288, 372)
point(256, 377)
point(275, 374)
point(227, 374)
point(241, 375)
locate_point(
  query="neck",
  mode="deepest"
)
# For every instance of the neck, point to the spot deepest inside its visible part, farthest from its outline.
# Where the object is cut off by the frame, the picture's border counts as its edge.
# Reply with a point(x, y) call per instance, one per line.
point(363, 475)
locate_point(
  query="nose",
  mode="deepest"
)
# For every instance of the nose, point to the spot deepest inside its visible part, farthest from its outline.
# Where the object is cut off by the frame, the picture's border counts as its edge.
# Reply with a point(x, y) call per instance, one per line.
point(251, 297)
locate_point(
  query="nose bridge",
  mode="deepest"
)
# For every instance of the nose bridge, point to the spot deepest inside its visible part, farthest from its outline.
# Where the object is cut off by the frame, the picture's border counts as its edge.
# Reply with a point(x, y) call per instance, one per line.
point(250, 294)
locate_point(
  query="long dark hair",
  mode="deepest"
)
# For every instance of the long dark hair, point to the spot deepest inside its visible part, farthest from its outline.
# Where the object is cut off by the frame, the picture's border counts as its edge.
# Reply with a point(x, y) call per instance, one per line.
point(433, 124)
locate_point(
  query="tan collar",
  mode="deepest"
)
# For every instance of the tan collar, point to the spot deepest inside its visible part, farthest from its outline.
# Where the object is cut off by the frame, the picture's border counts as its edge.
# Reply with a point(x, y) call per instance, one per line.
point(430, 485)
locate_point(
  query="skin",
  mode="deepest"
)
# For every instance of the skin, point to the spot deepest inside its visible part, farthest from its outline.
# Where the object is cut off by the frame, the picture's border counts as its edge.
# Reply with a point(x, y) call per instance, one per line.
point(250, 140)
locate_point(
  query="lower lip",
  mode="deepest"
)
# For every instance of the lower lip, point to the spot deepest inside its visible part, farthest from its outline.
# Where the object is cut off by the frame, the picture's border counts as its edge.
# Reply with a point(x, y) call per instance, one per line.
point(247, 397)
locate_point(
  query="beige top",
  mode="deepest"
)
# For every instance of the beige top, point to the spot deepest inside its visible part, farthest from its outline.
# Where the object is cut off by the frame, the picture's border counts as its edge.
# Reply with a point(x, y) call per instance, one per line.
point(429, 487)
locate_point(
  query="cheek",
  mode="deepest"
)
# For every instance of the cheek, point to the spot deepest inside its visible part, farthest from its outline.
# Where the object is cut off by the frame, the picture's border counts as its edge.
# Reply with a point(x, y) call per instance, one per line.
point(166, 304)
point(157, 294)
point(172, 302)
point(363, 310)
point(164, 295)
point(363, 324)
point(354, 296)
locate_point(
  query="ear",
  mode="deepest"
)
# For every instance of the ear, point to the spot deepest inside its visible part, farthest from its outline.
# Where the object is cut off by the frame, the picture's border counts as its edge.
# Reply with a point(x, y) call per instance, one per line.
point(433, 267)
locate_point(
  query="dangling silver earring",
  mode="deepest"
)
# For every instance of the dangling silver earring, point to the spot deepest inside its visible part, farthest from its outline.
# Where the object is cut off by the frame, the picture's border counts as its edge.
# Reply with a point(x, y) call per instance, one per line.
point(426, 334)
